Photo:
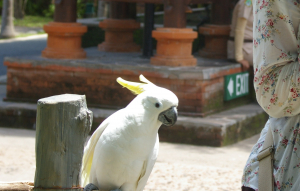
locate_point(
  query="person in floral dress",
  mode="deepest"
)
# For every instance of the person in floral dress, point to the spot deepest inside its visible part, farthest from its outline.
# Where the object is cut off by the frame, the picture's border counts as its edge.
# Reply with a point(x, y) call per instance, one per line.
point(276, 42)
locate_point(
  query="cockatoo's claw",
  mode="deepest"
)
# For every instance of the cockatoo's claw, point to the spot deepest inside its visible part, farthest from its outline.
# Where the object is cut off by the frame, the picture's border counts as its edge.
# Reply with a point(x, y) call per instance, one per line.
point(90, 187)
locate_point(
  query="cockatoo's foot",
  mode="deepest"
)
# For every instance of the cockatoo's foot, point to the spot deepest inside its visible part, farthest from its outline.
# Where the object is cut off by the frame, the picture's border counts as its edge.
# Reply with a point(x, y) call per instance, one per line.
point(90, 187)
point(116, 189)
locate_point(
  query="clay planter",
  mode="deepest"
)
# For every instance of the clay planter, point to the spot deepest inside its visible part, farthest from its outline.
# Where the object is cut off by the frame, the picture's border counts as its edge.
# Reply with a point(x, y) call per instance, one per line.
point(64, 40)
point(174, 47)
point(119, 35)
point(216, 37)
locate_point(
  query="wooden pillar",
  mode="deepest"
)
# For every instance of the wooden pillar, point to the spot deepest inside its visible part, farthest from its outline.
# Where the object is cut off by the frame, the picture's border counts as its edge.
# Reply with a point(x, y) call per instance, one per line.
point(217, 33)
point(64, 34)
point(175, 14)
point(122, 10)
point(119, 28)
point(148, 28)
point(65, 11)
point(174, 41)
point(63, 123)
point(221, 12)
point(216, 37)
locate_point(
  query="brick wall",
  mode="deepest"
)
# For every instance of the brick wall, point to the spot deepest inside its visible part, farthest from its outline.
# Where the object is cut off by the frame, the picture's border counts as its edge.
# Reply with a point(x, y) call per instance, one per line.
point(199, 93)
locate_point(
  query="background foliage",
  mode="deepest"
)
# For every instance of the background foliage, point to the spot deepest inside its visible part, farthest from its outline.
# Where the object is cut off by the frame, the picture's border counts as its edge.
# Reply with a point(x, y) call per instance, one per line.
point(38, 7)
point(45, 8)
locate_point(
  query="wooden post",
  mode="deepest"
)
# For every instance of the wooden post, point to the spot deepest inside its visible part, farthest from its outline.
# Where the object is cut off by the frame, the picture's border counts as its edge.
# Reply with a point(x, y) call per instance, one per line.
point(63, 123)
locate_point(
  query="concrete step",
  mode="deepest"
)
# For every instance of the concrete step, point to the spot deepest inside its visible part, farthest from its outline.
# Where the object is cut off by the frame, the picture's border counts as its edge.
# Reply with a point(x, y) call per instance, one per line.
point(219, 129)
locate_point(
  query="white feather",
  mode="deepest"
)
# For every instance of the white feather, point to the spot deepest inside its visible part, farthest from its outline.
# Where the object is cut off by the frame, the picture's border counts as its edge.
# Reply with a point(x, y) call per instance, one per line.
point(122, 151)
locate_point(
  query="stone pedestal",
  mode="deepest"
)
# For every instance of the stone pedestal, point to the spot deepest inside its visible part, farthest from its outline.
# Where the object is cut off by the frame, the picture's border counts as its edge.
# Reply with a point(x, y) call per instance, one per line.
point(64, 40)
point(174, 47)
point(119, 35)
point(216, 37)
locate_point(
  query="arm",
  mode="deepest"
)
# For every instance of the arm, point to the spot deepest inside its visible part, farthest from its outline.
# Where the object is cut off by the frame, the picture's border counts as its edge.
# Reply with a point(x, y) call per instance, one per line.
point(276, 67)
point(239, 41)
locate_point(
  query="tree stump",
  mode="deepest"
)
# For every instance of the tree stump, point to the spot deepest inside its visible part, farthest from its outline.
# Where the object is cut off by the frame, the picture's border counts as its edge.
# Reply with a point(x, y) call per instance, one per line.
point(7, 25)
point(63, 123)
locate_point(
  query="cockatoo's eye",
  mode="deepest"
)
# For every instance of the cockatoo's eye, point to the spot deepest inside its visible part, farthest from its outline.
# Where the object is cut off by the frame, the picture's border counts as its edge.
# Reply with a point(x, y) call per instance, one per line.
point(157, 105)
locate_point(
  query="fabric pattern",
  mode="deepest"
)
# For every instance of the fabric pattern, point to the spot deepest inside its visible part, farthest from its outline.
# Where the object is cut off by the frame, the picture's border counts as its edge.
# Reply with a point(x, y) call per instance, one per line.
point(277, 85)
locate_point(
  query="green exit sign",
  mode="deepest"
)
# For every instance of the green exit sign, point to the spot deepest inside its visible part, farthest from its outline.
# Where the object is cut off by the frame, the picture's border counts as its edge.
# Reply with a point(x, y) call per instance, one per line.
point(236, 85)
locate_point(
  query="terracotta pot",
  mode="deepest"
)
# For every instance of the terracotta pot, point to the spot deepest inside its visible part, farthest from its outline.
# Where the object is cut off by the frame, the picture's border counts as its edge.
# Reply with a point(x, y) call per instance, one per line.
point(64, 40)
point(119, 35)
point(174, 47)
point(216, 37)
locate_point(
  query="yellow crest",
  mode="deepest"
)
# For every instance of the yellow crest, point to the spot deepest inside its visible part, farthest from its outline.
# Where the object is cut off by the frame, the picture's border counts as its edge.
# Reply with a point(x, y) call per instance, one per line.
point(134, 87)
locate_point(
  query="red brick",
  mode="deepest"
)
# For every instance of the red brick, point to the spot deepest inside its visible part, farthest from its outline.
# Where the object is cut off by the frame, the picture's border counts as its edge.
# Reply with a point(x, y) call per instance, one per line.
point(124, 72)
point(99, 71)
point(186, 88)
point(17, 65)
point(101, 89)
point(151, 74)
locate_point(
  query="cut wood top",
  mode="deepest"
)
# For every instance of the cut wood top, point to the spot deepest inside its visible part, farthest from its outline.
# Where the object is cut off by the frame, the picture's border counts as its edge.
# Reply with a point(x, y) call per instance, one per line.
point(62, 98)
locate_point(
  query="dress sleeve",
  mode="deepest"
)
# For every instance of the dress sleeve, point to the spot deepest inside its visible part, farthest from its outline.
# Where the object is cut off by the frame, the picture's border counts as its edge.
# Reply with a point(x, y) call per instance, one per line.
point(276, 50)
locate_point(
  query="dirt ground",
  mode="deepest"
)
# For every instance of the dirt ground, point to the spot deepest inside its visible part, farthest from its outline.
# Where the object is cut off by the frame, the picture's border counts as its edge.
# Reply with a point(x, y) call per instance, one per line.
point(178, 167)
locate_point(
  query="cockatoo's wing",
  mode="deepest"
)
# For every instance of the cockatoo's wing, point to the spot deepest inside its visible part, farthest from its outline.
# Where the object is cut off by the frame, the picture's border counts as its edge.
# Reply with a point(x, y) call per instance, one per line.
point(148, 166)
point(89, 151)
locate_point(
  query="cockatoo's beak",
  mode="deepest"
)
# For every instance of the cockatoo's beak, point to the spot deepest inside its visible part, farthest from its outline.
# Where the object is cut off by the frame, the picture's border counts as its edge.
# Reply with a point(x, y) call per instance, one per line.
point(168, 117)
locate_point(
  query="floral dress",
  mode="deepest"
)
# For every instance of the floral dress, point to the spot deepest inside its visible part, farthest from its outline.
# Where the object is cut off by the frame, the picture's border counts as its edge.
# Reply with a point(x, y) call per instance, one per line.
point(277, 84)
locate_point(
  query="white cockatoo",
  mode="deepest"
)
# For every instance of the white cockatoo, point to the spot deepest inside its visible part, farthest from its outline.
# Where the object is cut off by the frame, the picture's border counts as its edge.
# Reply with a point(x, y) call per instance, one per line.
point(121, 153)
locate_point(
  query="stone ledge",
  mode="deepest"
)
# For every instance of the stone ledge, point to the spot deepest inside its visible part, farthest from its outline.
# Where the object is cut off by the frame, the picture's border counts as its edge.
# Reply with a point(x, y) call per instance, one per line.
point(206, 69)
point(220, 129)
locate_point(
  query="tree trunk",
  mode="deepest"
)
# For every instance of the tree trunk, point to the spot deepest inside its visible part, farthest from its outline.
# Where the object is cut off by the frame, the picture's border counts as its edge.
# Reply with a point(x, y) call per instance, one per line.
point(7, 25)
point(63, 123)
point(100, 11)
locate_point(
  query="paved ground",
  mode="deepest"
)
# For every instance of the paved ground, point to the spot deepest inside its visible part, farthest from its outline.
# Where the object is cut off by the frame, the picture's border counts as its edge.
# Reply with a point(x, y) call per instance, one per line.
point(23, 46)
point(178, 168)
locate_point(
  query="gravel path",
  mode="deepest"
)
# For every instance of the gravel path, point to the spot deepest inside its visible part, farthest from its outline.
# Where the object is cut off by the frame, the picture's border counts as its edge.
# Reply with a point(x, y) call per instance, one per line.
point(178, 167)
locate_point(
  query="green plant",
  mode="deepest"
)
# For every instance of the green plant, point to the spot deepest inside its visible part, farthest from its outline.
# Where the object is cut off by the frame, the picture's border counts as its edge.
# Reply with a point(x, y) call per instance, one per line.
point(50, 11)
point(0, 7)
point(32, 21)
point(37, 7)
point(80, 8)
